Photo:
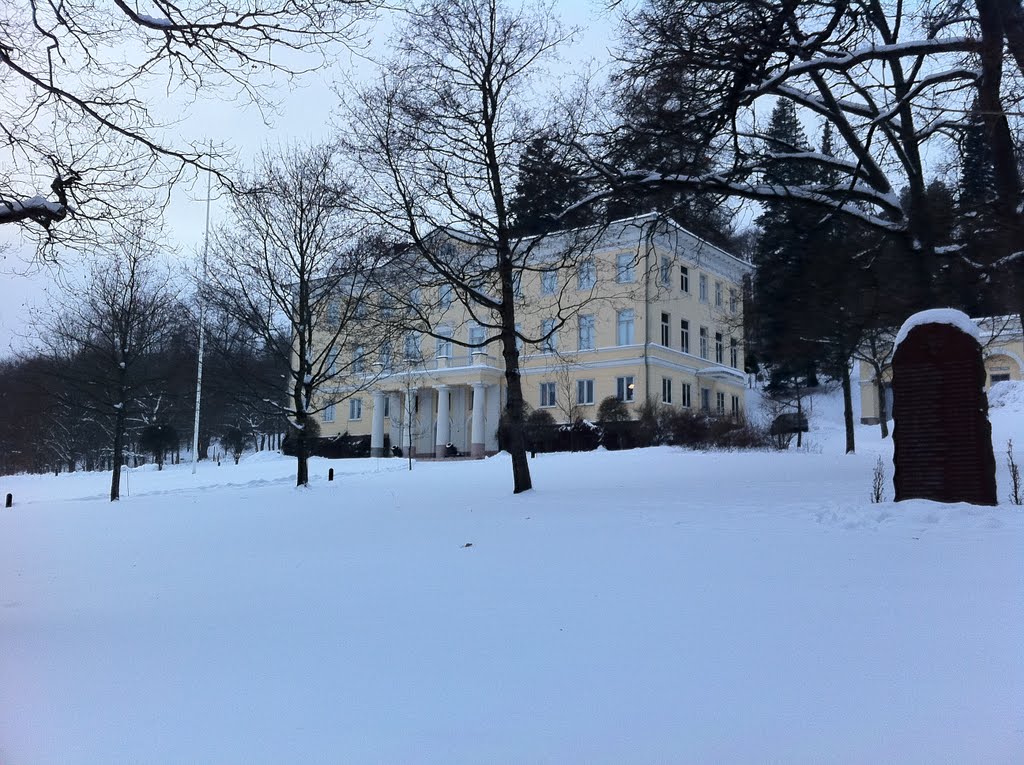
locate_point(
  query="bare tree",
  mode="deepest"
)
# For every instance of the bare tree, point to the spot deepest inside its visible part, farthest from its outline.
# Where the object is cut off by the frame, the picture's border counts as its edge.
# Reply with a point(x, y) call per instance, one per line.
point(105, 337)
point(84, 83)
point(440, 137)
point(293, 268)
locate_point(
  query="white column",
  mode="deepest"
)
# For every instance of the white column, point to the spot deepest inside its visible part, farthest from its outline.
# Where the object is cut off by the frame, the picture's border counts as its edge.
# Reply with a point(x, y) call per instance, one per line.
point(476, 439)
point(377, 432)
point(395, 416)
point(442, 420)
point(410, 412)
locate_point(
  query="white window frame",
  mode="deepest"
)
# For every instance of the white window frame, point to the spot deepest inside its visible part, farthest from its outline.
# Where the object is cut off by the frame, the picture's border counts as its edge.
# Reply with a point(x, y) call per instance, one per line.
point(355, 409)
point(704, 343)
point(550, 343)
point(585, 392)
point(412, 346)
point(734, 353)
point(548, 395)
point(666, 271)
point(719, 403)
point(625, 268)
point(359, 360)
point(625, 388)
point(666, 329)
point(684, 279)
point(548, 282)
point(733, 300)
point(705, 400)
point(702, 282)
point(587, 333)
point(685, 395)
point(718, 294)
point(477, 336)
point(586, 274)
point(735, 406)
point(445, 296)
point(666, 390)
point(443, 344)
point(684, 335)
point(719, 348)
point(329, 412)
point(625, 327)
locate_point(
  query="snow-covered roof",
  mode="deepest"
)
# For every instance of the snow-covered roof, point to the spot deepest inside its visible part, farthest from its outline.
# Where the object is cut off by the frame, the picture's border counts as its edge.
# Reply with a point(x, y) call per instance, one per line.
point(950, 316)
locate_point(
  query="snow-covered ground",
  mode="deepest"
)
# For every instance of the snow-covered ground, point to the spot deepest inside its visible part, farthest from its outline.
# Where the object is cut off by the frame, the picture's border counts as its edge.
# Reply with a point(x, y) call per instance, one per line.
point(651, 606)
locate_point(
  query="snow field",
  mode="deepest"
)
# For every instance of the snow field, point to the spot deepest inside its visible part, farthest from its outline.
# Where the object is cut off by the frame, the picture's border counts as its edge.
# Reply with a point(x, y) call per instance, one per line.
point(649, 606)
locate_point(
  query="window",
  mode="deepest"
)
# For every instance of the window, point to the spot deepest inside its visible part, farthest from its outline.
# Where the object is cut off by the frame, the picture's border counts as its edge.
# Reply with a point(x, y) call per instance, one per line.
point(625, 270)
point(684, 395)
point(517, 284)
point(719, 349)
point(703, 342)
point(412, 346)
point(333, 312)
point(444, 296)
point(705, 399)
point(624, 324)
point(666, 329)
point(477, 337)
point(387, 406)
point(624, 388)
point(444, 343)
point(329, 413)
point(358, 363)
point(355, 409)
point(587, 332)
point(733, 300)
point(385, 357)
point(547, 394)
point(718, 294)
point(1004, 377)
point(548, 282)
point(666, 390)
point(666, 271)
point(734, 353)
point(684, 279)
point(703, 287)
point(586, 274)
point(584, 392)
point(735, 406)
point(549, 342)
point(719, 404)
point(684, 336)
point(332, 362)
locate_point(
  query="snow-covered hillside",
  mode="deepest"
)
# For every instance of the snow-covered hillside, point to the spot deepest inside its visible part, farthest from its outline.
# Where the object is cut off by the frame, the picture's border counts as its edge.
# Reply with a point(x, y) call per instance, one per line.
point(649, 606)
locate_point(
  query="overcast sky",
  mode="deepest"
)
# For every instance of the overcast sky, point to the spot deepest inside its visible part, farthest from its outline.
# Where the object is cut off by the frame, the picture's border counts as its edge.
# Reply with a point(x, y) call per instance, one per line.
point(304, 115)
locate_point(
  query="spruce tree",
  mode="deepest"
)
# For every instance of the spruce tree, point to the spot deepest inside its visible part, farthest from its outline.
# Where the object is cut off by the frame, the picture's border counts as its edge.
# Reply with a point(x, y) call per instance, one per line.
point(547, 186)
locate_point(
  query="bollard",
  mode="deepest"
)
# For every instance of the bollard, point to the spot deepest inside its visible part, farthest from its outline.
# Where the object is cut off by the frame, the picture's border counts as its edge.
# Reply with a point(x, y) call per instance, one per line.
point(10, 500)
point(330, 474)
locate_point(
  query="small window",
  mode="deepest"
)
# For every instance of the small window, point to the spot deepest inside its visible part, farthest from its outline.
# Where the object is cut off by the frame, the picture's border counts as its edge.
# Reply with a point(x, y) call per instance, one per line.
point(625, 268)
point(329, 413)
point(703, 342)
point(333, 312)
point(358, 360)
point(332, 362)
point(719, 404)
point(477, 336)
point(584, 392)
point(1002, 377)
point(734, 300)
point(684, 395)
point(684, 279)
point(586, 274)
point(549, 282)
point(718, 294)
point(734, 353)
point(702, 282)
point(387, 406)
point(624, 324)
point(549, 337)
point(684, 336)
point(666, 390)
point(444, 296)
point(444, 344)
point(719, 349)
point(586, 334)
point(735, 406)
point(385, 357)
point(705, 400)
point(547, 394)
point(355, 409)
point(624, 388)
point(666, 330)
point(412, 346)
point(666, 272)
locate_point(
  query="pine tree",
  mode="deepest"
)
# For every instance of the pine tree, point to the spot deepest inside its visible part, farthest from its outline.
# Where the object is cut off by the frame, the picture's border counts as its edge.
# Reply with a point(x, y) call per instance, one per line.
point(547, 186)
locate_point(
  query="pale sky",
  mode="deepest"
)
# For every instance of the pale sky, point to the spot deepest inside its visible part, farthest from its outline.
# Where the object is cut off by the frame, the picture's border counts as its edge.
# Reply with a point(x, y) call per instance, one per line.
point(304, 115)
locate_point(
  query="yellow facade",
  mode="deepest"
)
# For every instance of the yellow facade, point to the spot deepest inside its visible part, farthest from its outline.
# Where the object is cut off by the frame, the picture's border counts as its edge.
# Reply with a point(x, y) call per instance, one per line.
point(661, 319)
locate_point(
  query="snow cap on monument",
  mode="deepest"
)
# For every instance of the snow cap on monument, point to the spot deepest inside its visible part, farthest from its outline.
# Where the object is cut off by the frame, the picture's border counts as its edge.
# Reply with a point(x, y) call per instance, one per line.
point(951, 316)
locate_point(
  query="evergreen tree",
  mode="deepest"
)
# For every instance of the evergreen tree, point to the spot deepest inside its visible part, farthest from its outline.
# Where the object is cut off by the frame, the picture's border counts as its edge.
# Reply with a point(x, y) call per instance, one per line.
point(547, 186)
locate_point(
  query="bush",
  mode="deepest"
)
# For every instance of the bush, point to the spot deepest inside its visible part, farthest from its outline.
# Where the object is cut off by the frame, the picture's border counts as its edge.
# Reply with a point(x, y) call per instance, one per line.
point(540, 426)
point(582, 436)
point(157, 440)
point(613, 410)
point(233, 440)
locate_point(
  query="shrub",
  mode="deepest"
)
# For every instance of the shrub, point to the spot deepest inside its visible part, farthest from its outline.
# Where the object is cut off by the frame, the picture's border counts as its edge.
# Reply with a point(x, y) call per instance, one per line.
point(233, 439)
point(613, 410)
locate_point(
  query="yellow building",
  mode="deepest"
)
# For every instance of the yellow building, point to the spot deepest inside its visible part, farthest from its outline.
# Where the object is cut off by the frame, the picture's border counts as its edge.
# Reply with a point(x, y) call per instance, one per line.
point(646, 310)
point(1002, 350)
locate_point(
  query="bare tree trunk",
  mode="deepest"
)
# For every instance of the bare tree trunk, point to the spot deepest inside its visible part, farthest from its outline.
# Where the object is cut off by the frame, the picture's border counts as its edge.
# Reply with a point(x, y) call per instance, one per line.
point(848, 412)
point(115, 480)
point(883, 413)
point(521, 480)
